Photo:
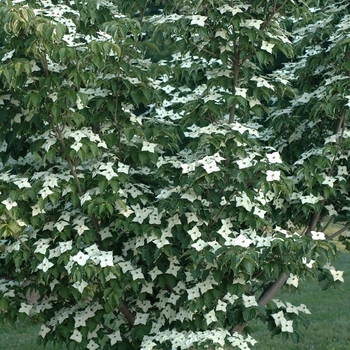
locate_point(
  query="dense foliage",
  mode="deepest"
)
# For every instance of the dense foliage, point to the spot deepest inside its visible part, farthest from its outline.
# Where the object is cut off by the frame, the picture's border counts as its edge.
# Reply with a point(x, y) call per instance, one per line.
point(158, 162)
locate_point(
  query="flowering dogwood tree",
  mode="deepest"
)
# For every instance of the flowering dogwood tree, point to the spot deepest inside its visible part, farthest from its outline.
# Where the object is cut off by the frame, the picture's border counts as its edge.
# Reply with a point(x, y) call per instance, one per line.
point(162, 229)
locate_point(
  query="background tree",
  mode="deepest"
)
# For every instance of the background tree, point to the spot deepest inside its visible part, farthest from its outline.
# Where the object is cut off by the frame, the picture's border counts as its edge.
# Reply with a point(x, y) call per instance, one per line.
point(158, 229)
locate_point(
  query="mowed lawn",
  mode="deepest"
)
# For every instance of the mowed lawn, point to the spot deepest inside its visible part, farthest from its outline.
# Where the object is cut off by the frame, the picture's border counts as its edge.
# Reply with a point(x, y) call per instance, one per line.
point(330, 317)
point(329, 328)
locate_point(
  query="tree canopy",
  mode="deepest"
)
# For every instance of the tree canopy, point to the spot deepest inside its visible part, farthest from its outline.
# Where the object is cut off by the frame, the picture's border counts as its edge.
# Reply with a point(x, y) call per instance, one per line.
point(167, 167)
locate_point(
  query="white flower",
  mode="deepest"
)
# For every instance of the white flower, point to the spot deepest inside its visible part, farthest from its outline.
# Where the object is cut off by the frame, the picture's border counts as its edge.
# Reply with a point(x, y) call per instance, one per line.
point(273, 175)
point(303, 308)
point(255, 23)
point(141, 318)
point(249, 301)
point(244, 163)
point(80, 285)
point(80, 258)
point(44, 330)
point(45, 265)
point(77, 336)
point(293, 280)
point(26, 308)
point(106, 259)
point(221, 306)
point(193, 293)
point(199, 245)
point(60, 225)
point(242, 241)
point(148, 146)
point(291, 308)
point(137, 274)
point(123, 168)
point(317, 235)
point(287, 326)
point(210, 317)
point(22, 183)
point(46, 191)
point(278, 317)
point(328, 180)
point(114, 337)
point(194, 233)
point(65, 246)
point(199, 20)
point(9, 203)
point(244, 202)
point(274, 157)
point(259, 212)
point(76, 146)
point(337, 275)
point(241, 92)
point(92, 345)
point(85, 197)
point(267, 46)
point(210, 167)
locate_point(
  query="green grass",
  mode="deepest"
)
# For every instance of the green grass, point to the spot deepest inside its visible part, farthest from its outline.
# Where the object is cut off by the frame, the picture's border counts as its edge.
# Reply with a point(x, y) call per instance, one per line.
point(330, 317)
point(21, 337)
point(329, 328)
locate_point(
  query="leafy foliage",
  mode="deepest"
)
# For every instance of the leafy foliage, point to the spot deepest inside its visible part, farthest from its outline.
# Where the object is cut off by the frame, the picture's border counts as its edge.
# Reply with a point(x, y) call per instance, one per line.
point(145, 200)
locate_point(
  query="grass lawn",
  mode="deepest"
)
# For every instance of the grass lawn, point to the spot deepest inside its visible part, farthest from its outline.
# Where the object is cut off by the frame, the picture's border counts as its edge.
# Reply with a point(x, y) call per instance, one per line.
point(329, 329)
point(330, 317)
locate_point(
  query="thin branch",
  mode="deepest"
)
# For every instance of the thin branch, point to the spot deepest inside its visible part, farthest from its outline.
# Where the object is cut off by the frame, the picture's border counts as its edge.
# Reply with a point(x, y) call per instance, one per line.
point(266, 297)
point(335, 234)
point(268, 294)
point(127, 313)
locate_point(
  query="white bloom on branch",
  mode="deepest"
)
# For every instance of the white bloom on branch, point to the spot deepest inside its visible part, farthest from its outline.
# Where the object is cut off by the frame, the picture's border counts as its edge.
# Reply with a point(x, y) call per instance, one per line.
point(259, 212)
point(293, 280)
point(249, 301)
point(304, 309)
point(80, 285)
point(77, 336)
point(241, 92)
point(114, 337)
point(274, 157)
point(141, 318)
point(273, 175)
point(199, 245)
point(92, 345)
point(244, 163)
point(287, 326)
point(278, 317)
point(22, 183)
point(291, 308)
point(65, 246)
point(44, 192)
point(45, 265)
point(252, 23)
point(311, 199)
point(9, 203)
point(261, 82)
point(242, 241)
point(194, 233)
point(148, 146)
point(328, 180)
point(317, 235)
point(210, 317)
point(337, 275)
point(26, 308)
point(267, 46)
point(80, 258)
point(44, 330)
point(198, 19)
point(228, 8)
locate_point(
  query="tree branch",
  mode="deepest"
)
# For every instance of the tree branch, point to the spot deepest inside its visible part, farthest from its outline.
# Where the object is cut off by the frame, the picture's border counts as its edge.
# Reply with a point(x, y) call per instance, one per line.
point(335, 234)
